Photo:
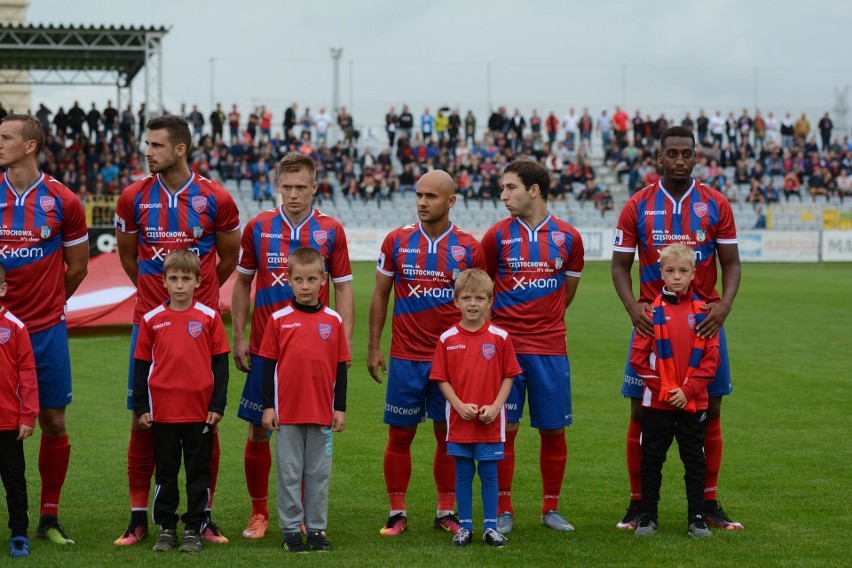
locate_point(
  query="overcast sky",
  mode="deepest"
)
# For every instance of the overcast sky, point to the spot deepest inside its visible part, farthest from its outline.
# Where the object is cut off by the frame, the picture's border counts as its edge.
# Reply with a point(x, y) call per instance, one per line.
point(658, 56)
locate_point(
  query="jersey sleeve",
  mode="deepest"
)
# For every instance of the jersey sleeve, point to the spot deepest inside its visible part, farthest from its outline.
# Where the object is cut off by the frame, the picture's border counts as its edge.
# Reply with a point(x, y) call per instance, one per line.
point(144, 343)
point(385, 265)
point(439, 364)
point(218, 337)
point(511, 367)
point(125, 217)
point(340, 269)
point(343, 354)
point(27, 380)
point(727, 234)
point(74, 229)
point(574, 266)
point(248, 255)
point(477, 256)
point(626, 237)
point(227, 215)
point(489, 250)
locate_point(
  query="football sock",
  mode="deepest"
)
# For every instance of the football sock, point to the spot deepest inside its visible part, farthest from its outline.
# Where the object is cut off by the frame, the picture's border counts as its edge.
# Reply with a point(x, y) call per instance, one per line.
point(140, 468)
point(488, 489)
point(634, 459)
point(214, 470)
point(505, 474)
point(398, 465)
point(465, 470)
point(444, 471)
point(53, 457)
point(713, 456)
point(257, 463)
point(552, 458)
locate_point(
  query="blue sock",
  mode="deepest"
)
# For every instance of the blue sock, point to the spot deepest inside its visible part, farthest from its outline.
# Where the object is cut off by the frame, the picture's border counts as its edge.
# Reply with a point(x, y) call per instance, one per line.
point(488, 482)
point(465, 470)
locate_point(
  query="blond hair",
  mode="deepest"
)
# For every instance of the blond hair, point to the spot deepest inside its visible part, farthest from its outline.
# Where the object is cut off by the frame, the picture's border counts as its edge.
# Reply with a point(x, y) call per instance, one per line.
point(182, 260)
point(677, 251)
point(306, 256)
point(473, 280)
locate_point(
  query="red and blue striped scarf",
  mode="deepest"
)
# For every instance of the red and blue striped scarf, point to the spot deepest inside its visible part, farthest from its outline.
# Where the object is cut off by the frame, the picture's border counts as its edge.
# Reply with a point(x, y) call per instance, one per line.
point(665, 361)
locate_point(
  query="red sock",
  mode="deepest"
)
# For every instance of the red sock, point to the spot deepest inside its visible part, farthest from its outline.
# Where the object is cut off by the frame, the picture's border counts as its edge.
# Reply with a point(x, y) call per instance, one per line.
point(634, 459)
point(214, 469)
point(505, 474)
point(398, 466)
point(552, 459)
point(140, 468)
point(257, 462)
point(444, 470)
point(53, 457)
point(713, 456)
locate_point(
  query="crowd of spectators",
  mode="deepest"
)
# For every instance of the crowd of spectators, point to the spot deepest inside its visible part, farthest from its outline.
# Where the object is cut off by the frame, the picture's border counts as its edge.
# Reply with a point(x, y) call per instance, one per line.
point(98, 152)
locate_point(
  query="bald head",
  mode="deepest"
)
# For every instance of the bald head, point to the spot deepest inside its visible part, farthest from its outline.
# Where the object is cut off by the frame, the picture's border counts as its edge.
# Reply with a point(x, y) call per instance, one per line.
point(436, 194)
point(439, 181)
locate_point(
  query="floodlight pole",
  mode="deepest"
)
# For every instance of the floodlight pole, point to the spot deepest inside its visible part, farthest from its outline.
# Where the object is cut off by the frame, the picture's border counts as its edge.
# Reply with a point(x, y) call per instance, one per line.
point(336, 54)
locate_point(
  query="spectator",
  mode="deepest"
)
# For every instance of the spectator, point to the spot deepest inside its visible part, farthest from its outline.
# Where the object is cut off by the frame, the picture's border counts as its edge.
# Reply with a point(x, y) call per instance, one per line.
point(760, 222)
point(801, 129)
point(825, 127)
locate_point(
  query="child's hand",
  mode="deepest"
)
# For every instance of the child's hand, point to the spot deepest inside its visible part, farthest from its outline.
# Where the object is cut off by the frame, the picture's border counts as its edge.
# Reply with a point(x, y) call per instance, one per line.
point(338, 421)
point(677, 398)
point(270, 419)
point(24, 431)
point(145, 421)
point(213, 418)
point(487, 414)
point(467, 410)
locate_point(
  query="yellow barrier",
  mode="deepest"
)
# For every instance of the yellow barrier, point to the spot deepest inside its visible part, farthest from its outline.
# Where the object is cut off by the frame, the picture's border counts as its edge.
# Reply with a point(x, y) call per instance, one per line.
point(100, 210)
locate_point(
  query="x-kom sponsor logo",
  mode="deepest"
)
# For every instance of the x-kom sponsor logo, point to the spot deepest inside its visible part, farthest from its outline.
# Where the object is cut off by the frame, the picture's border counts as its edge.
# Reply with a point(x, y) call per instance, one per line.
point(160, 253)
point(7, 251)
point(422, 291)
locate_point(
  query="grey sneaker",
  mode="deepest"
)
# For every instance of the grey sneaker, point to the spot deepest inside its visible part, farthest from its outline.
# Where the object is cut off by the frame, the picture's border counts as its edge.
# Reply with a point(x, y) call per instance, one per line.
point(191, 542)
point(505, 522)
point(646, 527)
point(166, 541)
point(697, 528)
point(495, 539)
point(462, 538)
point(553, 520)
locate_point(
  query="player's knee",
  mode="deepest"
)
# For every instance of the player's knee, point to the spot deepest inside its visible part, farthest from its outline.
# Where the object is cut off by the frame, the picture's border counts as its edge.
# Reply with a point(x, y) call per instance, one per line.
point(714, 407)
point(257, 433)
point(512, 426)
point(636, 409)
point(52, 421)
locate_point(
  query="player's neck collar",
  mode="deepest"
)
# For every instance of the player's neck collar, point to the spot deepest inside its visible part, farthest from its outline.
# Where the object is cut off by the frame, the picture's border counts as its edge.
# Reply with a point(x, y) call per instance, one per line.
point(685, 193)
point(434, 242)
point(295, 226)
point(538, 227)
point(174, 194)
point(21, 196)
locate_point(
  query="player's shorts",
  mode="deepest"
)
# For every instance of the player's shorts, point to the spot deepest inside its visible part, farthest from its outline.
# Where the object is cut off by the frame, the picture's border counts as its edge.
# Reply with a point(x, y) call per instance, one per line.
point(546, 380)
point(479, 451)
point(131, 370)
point(411, 397)
point(53, 366)
point(251, 403)
point(633, 386)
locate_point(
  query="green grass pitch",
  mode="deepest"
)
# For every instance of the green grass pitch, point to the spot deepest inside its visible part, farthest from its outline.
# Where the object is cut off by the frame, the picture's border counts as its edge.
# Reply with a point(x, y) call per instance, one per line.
point(785, 475)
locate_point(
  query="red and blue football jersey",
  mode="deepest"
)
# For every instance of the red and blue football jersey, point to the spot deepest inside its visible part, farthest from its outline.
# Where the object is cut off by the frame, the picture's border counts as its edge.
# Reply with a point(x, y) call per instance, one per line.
point(652, 220)
point(268, 240)
point(34, 227)
point(189, 219)
point(424, 272)
point(529, 266)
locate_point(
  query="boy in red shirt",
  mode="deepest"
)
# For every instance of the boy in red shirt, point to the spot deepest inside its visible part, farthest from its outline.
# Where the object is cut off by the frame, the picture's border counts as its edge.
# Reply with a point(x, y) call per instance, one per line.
point(676, 366)
point(474, 365)
point(304, 352)
point(18, 411)
point(180, 391)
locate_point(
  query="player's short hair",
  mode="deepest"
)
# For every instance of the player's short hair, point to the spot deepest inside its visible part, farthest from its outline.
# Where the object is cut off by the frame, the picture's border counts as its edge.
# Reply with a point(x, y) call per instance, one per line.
point(531, 173)
point(31, 128)
point(306, 256)
point(676, 132)
point(176, 126)
point(677, 251)
point(294, 162)
point(182, 260)
point(475, 281)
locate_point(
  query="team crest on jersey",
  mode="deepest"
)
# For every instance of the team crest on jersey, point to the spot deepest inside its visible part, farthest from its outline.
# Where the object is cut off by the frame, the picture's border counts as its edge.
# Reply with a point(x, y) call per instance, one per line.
point(199, 203)
point(488, 351)
point(700, 235)
point(45, 231)
point(558, 238)
point(700, 209)
point(46, 203)
point(690, 319)
point(457, 252)
point(324, 331)
point(456, 273)
point(198, 232)
point(320, 237)
point(558, 263)
point(5, 334)
point(195, 328)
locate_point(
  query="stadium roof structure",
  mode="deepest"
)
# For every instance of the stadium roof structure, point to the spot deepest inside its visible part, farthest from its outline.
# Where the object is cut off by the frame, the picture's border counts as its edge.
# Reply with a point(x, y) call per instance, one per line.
point(83, 55)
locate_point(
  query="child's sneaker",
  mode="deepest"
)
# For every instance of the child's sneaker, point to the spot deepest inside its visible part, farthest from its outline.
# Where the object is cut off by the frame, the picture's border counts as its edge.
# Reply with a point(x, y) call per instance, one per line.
point(317, 541)
point(462, 538)
point(166, 541)
point(191, 542)
point(715, 516)
point(396, 525)
point(293, 543)
point(697, 528)
point(132, 535)
point(213, 534)
point(554, 520)
point(449, 523)
point(257, 527)
point(495, 539)
point(631, 519)
point(19, 547)
point(646, 527)
point(505, 522)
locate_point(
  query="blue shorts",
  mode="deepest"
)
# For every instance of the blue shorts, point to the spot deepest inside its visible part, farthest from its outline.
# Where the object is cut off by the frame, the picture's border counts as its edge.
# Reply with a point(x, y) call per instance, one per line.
point(479, 451)
point(53, 366)
point(633, 386)
point(411, 396)
point(547, 381)
point(251, 403)
point(131, 370)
